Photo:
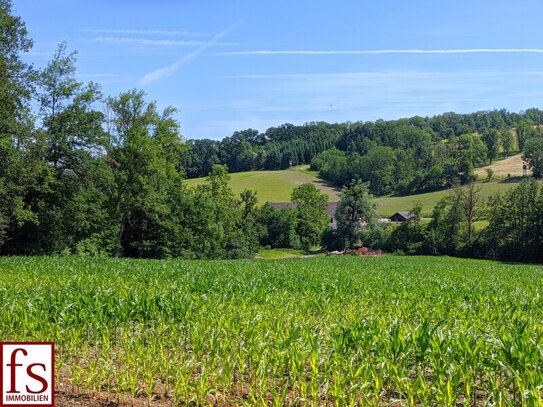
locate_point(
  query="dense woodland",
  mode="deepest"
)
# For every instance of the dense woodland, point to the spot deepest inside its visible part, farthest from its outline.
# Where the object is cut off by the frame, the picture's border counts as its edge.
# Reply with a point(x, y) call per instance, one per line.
point(398, 156)
point(84, 173)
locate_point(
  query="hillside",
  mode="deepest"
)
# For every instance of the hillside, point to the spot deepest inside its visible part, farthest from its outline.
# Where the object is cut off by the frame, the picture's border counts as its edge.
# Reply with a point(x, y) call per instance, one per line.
point(276, 186)
point(502, 168)
point(391, 204)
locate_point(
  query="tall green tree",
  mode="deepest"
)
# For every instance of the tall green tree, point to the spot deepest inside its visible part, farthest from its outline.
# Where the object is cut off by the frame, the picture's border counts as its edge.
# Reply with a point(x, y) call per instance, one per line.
point(491, 139)
point(445, 230)
point(533, 153)
point(74, 215)
point(144, 154)
point(23, 174)
point(221, 225)
point(311, 215)
point(356, 216)
point(507, 141)
point(279, 227)
point(515, 224)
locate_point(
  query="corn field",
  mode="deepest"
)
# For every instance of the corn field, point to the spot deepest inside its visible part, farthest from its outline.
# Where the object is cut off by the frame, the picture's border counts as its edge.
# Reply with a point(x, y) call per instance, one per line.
point(321, 331)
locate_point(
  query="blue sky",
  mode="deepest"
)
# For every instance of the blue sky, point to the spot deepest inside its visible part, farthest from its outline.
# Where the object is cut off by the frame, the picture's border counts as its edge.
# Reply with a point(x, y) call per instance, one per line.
point(232, 65)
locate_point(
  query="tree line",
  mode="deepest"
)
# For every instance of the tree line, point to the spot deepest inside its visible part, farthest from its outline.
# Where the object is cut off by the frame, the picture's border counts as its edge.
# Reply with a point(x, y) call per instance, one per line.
point(88, 174)
point(397, 156)
point(84, 173)
point(506, 226)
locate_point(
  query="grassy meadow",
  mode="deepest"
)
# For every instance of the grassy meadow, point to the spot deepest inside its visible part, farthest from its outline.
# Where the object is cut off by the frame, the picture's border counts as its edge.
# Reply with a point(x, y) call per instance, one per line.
point(388, 205)
point(319, 331)
point(276, 186)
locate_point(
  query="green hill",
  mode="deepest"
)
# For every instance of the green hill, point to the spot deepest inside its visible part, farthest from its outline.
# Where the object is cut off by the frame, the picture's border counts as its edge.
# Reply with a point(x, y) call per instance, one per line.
point(388, 205)
point(276, 186)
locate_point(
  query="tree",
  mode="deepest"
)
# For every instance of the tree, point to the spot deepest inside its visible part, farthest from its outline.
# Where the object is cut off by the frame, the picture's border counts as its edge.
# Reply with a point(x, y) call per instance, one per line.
point(377, 168)
point(15, 75)
point(507, 141)
point(452, 228)
point(200, 157)
point(515, 224)
point(523, 129)
point(145, 152)
point(356, 215)
point(221, 226)
point(489, 174)
point(279, 227)
point(74, 215)
point(311, 215)
point(533, 154)
point(473, 206)
point(410, 237)
point(19, 167)
point(332, 166)
point(491, 138)
point(445, 228)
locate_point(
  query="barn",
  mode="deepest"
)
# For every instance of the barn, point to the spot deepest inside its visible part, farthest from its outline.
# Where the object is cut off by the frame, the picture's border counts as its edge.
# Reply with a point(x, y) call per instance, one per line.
point(401, 217)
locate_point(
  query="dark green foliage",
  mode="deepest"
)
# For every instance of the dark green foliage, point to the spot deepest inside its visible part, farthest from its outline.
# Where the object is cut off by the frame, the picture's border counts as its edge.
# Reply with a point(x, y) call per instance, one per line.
point(18, 169)
point(356, 216)
point(219, 225)
point(78, 182)
point(200, 157)
point(516, 224)
point(507, 141)
point(515, 229)
point(451, 230)
point(279, 227)
point(332, 165)
point(533, 153)
point(408, 238)
point(311, 216)
point(491, 138)
point(70, 187)
point(398, 156)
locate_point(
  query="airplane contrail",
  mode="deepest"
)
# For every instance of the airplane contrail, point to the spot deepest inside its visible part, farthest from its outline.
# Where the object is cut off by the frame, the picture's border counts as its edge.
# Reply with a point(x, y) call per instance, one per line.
point(162, 73)
point(389, 51)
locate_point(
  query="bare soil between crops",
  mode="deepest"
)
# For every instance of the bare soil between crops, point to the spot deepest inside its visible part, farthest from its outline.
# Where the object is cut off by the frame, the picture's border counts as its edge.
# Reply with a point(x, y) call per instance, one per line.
point(69, 399)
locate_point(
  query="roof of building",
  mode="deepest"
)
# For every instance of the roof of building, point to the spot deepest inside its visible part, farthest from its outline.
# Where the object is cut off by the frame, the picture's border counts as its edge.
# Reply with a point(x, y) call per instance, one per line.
point(404, 215)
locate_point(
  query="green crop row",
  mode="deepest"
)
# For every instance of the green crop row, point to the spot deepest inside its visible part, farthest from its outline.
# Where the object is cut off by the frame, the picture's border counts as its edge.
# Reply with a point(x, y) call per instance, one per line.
point(321, 331)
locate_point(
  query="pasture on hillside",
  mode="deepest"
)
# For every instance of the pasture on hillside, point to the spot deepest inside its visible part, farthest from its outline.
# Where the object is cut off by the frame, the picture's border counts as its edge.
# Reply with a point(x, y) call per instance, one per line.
point(320, 331)
point(276, 186)
point(388, 205)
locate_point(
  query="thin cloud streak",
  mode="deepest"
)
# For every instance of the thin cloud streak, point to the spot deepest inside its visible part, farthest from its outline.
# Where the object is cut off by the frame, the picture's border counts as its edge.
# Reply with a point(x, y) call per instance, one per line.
point(384, 74)
point(169, 70)
point(146, 32)
point(148, 42)
point(389, 51)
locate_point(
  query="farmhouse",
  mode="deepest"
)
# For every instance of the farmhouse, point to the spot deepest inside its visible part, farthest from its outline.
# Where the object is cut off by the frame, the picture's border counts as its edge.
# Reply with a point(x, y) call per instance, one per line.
point(401, 217)
point(330, 210)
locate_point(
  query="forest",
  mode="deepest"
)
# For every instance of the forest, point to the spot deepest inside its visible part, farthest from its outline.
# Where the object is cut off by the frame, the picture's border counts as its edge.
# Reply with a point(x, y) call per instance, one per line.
point(402, 156)
point(90, 174)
